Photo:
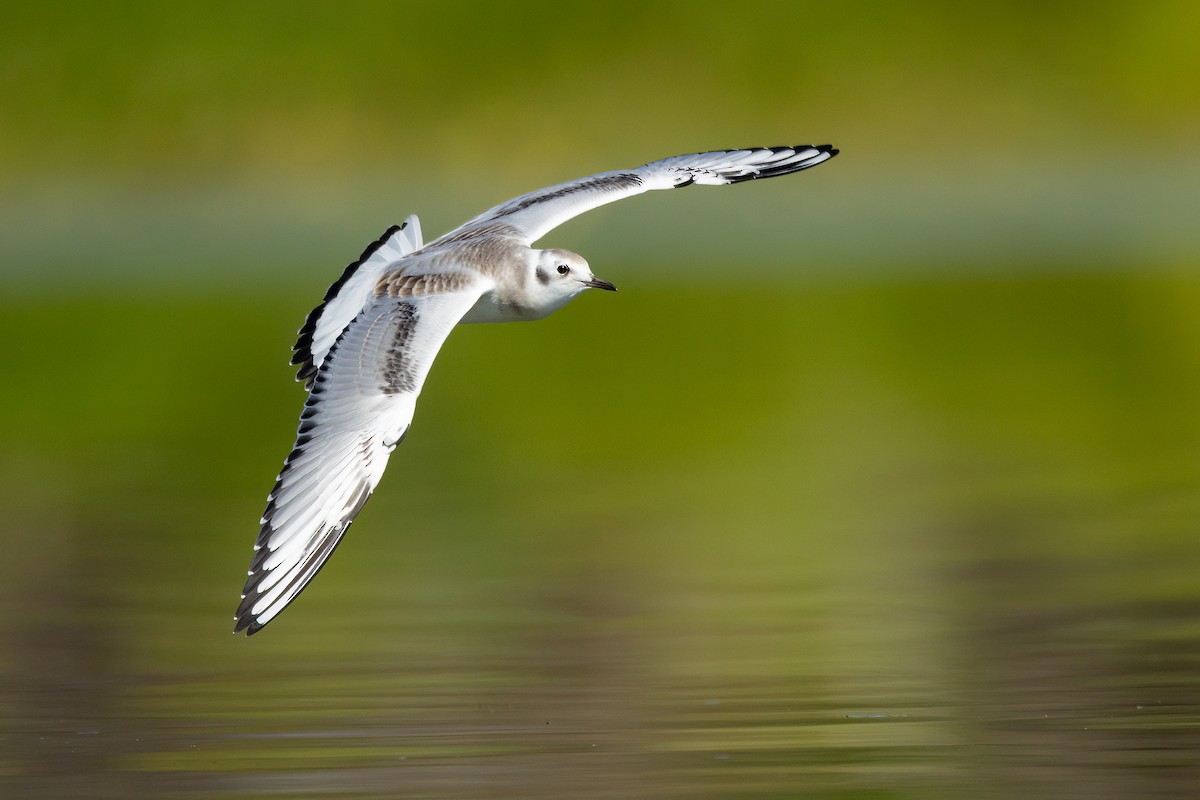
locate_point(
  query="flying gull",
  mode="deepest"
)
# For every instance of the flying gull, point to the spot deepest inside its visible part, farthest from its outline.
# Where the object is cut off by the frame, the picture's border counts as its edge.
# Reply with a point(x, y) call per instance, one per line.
point(363, 354)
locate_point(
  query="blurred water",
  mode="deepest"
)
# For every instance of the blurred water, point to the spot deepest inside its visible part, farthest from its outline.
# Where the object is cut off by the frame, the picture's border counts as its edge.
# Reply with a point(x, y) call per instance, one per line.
point(894, 540)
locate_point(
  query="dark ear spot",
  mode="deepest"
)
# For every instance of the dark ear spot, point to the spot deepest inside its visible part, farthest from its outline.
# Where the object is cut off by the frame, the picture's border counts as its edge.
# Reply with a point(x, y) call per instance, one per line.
point(542, 276)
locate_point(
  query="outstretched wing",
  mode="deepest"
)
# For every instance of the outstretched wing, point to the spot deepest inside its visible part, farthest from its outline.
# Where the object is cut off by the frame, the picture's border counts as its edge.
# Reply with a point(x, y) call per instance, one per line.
point(350, 294)
point(360, 407)
point(535, 214)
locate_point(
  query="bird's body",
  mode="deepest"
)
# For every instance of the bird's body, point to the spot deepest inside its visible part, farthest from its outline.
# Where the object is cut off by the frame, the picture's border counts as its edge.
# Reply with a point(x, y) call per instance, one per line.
point(365, 351)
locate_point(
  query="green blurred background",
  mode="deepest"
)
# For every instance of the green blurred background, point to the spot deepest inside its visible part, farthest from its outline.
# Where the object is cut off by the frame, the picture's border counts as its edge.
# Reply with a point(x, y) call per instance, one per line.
point(914, 431)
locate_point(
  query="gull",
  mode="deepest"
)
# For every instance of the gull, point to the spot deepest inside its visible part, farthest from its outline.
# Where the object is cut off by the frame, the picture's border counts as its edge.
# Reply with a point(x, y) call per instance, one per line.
point(364, 353)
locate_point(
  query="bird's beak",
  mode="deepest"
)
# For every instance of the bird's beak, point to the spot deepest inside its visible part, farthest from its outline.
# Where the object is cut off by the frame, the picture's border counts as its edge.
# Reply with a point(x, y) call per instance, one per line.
point(596, 283)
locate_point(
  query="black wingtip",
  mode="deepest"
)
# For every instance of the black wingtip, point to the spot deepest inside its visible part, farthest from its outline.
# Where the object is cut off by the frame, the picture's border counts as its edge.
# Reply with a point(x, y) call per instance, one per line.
point(788, 165)
point(245, 621)
point(244, 618)
point(302, 349)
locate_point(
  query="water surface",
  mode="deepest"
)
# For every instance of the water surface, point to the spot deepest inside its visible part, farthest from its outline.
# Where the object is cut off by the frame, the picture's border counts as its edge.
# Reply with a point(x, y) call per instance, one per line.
point(887, 540)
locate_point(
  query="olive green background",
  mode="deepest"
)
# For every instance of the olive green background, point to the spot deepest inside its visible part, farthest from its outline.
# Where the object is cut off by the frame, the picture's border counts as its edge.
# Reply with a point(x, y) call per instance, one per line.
point(880, 480)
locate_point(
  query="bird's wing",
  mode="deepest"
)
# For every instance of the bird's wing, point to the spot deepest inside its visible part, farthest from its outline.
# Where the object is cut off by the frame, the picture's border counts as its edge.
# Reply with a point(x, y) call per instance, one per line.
point(350, 294)
point(360, 407)
point(535, 214)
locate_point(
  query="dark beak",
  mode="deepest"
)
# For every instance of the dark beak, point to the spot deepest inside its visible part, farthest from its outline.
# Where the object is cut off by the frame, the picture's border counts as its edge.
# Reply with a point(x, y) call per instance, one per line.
point(596, 283)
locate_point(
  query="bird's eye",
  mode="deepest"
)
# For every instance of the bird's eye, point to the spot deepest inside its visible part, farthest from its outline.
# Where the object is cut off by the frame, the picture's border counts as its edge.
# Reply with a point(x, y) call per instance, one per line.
point(563, 269)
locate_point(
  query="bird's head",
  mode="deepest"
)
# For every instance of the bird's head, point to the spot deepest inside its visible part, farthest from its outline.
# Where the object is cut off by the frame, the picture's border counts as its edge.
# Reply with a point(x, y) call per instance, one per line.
point(559, 275)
